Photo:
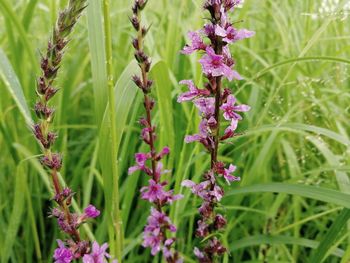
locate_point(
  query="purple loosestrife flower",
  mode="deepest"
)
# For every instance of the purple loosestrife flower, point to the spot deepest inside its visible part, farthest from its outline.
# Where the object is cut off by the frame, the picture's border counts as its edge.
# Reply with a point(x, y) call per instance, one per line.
point(230, 109)
point(158, 223)
point(215, 104)
point(62, 254)
point(91, 211)
point(98, 254)
point(230, 34)
point(193, 92)
point(197, 43)
point(215, 65)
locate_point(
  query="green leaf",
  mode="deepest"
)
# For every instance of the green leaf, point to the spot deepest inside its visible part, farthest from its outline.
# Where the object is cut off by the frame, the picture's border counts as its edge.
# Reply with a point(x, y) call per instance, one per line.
point(97, 53)
point(16, 214)
point(277, 240)
point(329, 239)
point(313, 192)
point(14, 87)
point(160, 74)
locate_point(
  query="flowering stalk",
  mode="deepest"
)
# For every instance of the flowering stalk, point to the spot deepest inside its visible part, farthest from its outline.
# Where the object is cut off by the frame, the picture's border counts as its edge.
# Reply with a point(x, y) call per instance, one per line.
point(74, 247)
point(155, 232)
point(212, 101)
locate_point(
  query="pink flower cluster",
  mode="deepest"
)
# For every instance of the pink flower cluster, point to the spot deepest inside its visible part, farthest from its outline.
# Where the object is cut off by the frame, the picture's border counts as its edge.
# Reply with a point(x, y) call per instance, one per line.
point(76, 249)
point(97, 254)
point(215, 104)
point(155, 232)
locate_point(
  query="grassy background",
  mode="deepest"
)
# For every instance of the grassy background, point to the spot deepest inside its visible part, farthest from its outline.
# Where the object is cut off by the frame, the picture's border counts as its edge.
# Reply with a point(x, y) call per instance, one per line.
point(296, 72)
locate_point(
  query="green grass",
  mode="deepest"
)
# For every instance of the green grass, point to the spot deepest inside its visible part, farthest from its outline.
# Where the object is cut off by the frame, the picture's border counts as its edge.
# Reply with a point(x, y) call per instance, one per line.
point(292, 203)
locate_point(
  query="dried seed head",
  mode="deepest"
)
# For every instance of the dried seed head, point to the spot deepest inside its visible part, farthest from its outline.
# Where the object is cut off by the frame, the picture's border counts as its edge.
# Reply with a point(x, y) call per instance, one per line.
point(50, 92)
point(43, 111)
point(54, 163)
point(136, 79)
point(41, 85)
point(135, 43)
point(219, 222)
point(140, 56)
point(135, 22)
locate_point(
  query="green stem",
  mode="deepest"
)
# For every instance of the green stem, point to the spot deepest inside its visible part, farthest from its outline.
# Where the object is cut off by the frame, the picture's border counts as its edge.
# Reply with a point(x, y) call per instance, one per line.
point(116, 244)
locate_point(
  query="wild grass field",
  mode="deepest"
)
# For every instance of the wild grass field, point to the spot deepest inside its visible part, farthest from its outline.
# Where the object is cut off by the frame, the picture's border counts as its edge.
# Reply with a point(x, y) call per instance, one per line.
point(293, 154)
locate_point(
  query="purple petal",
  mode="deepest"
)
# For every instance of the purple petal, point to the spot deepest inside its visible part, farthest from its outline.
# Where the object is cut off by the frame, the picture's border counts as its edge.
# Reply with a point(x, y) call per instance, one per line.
point(188, 183)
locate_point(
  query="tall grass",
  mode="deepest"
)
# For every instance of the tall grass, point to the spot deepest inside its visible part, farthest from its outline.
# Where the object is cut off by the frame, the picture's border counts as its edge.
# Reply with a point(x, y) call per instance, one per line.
point(297, 134)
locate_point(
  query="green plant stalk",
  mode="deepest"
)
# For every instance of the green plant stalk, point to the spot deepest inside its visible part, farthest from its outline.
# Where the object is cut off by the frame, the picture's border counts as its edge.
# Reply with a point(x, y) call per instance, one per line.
point(117, 242)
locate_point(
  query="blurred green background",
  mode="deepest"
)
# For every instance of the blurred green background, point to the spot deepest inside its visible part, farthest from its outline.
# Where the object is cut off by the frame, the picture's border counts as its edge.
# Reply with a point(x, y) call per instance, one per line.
point(296, 72)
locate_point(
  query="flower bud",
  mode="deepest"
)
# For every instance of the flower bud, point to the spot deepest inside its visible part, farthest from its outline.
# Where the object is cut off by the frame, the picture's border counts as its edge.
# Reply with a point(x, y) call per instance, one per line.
point(135, 22)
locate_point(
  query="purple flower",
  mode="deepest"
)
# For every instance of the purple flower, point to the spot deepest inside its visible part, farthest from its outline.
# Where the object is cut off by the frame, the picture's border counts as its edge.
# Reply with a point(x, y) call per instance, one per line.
point(217, 193)
point(230, 34)
point(165, 151)
point(145, 135)
point(62, 254)
point(202, 229)
point(206, 106)
point(155, 193)
point(214, 65)
point(152, 240)
point(152, 236)
point(141, 159)
point(152, 192)
point(230, 130)
point(197, 43)
point(228, 174)
point(192, 93)
point(91, 211)
point(203, 190)
point(201, 256)
point(229, 109)
point(98, 254)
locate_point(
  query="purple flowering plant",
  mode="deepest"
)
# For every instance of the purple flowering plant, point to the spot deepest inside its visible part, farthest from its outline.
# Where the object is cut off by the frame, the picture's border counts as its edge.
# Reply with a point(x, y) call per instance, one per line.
point(215, 104)
point(158, 225)
point(74, 247)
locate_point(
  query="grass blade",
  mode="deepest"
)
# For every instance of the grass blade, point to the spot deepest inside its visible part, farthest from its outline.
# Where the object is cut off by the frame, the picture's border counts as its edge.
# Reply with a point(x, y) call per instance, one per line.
point(317, 193)
point(16, 214)
point(14, 87)
point(329, 239)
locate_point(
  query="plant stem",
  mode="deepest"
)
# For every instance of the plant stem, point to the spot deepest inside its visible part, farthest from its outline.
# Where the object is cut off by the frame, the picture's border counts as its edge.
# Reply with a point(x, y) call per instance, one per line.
point(116, 217)
point(214, 154)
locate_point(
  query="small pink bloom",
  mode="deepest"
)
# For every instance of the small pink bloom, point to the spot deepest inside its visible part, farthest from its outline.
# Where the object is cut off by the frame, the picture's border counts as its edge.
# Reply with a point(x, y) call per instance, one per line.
point(140, 159)
point(62, 254)
point(230, 34)
point(202, 229)
point(229, 109)
point(200, 255)
point(192, 93)
point(197, 43)
point(230, 130)
point(188, 183)
point(206, 106)
point(153, 192)
point(214, 65)
point(91, 211)
point(228, 174)
point(98, 254)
